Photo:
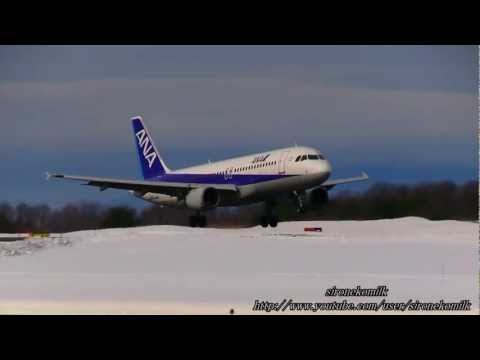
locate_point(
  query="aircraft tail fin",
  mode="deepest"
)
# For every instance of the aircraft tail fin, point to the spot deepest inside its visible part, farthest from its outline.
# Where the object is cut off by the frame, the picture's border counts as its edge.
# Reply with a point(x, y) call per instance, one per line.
point(151, 163)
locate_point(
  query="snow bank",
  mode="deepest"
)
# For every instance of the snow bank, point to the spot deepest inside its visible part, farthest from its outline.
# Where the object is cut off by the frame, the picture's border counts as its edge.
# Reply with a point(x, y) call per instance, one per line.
point(171, 269)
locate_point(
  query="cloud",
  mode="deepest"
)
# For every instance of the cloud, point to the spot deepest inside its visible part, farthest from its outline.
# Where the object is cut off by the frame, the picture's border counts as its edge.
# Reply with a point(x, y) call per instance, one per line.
point(230, 111)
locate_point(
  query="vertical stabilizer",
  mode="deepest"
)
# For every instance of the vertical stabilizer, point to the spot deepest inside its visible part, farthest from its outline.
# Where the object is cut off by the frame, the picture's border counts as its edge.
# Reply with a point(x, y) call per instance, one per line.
point(151, 163)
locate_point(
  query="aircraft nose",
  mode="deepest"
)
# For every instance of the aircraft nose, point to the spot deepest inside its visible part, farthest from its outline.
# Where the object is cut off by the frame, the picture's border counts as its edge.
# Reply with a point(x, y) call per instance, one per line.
point(322, 167)
point(327, 168)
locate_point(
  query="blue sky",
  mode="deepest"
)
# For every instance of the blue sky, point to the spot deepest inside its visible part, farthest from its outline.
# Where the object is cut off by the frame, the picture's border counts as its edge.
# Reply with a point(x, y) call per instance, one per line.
point(401, 113)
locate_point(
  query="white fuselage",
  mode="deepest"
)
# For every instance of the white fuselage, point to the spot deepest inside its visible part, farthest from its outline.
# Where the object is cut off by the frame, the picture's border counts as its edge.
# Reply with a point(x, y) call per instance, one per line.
point(256, 176)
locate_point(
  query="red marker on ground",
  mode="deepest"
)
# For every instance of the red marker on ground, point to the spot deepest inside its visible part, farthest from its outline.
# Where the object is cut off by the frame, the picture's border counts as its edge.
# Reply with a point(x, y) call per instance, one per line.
point(316, 229)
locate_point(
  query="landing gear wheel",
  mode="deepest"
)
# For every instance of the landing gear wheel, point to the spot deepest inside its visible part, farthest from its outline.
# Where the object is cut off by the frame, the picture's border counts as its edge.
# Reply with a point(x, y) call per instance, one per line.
point(269, 218)
point(264, 221)
point(273, 221)
point(301, 211)
point(201, 221)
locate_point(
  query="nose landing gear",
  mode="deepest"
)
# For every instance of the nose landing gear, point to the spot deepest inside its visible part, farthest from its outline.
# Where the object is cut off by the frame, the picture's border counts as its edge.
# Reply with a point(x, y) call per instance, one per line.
point(300, 206)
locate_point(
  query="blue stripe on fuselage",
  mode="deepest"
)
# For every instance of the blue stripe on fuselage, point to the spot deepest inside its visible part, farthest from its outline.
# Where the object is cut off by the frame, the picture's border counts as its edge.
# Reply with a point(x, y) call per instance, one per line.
point(234, 179)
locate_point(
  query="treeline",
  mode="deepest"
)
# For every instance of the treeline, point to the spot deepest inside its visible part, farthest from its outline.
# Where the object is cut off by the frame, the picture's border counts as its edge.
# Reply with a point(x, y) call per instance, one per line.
point(25, 218)
point(72, 217)
point(435, 201)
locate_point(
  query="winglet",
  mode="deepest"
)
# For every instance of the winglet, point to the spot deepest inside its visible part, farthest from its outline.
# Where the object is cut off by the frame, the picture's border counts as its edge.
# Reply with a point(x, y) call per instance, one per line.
point(364, 175)
point(50, 175)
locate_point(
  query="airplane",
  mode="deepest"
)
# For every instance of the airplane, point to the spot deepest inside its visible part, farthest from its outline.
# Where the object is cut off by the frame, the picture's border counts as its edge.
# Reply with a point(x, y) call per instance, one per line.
point(297, 174)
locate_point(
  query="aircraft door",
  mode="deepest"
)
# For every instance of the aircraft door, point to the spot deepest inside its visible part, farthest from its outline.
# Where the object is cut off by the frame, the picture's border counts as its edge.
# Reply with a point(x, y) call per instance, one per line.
point(229, 173)
point(282, 162)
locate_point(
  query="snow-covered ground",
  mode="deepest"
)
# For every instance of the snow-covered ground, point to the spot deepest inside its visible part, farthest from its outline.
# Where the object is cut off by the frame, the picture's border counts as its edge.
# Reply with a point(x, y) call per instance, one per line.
point(170, 269)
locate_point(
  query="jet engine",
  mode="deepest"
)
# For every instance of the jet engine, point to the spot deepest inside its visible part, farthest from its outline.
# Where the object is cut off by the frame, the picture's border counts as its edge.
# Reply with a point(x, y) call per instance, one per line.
point(316, 198)
point(202, 198)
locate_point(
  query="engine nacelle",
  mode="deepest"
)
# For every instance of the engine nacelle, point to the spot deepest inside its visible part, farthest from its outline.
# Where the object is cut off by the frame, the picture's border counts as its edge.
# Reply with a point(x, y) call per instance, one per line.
point(316, 198)
point(202, 198)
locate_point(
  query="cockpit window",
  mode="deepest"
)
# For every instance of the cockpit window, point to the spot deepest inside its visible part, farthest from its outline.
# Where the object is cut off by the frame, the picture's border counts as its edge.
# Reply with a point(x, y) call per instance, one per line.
point(309, 157)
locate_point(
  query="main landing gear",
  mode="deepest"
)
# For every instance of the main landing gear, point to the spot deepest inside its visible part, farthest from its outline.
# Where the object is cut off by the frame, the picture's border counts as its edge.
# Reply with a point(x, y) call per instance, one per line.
point(269, 218)
point(197, 220)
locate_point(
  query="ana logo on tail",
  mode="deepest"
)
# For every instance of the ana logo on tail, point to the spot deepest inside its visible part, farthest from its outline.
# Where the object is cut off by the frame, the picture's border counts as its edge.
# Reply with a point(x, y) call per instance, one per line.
point(145, 144)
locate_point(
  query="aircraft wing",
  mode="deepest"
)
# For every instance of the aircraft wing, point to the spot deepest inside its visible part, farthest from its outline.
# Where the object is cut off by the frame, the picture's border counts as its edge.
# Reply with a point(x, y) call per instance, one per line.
point(331, 183)
point(164, 187)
